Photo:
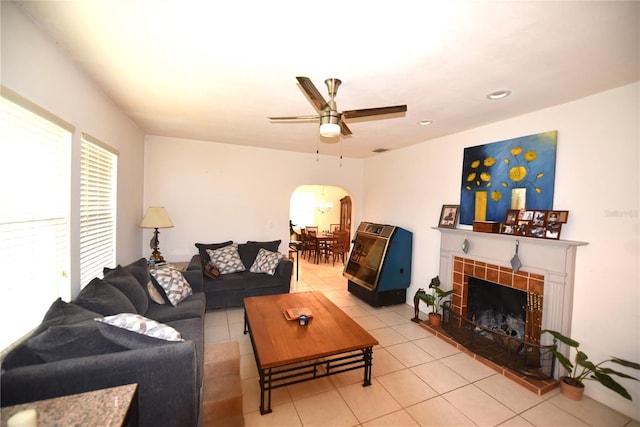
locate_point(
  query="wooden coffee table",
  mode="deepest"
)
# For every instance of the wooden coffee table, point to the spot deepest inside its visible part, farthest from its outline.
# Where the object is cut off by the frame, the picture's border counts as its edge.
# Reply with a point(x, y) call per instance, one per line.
point(287, 353)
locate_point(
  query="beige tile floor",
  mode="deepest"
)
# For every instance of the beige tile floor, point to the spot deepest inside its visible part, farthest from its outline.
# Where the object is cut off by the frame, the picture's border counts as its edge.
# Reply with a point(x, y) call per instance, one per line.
point(418, 380)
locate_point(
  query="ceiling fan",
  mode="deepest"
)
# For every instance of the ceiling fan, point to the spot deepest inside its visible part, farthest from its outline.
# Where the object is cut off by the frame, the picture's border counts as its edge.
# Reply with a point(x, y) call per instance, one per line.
point(331, 121)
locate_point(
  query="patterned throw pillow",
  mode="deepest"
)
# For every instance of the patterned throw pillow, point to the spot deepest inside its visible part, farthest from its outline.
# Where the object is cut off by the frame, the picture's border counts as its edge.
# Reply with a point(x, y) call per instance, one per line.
point(227, 259)
point(173, 282)
point(142, 325)
point(266, 262)
point(210, 270)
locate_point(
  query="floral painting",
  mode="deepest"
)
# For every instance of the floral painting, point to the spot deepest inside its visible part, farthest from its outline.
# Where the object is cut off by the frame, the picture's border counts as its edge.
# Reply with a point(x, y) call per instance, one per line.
point(491, 173)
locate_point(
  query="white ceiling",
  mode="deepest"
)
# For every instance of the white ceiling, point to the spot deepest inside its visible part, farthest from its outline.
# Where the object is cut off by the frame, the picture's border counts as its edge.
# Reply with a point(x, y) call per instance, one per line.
point(215, 70)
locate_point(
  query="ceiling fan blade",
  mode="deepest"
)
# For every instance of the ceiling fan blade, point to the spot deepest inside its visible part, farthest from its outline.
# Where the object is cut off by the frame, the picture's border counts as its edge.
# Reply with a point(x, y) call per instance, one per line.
point(294, 118)
point(312, 92)
point(344, 129)
point(365, 112)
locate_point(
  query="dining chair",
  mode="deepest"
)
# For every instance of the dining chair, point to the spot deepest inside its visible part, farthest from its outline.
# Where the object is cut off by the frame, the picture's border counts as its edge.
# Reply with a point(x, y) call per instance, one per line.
point(334, 227)
point(339, 247)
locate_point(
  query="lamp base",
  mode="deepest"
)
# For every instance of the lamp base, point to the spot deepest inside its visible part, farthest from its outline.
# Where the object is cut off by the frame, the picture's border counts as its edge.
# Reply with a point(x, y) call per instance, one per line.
point(156, 256)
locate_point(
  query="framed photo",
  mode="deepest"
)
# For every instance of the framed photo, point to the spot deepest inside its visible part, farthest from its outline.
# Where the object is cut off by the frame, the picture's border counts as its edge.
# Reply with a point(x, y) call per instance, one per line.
point(559, 217)
point(539, 218)
point(449, 216)
point(522, 229)
point(536, 231)
point(525, 215)
point(511, 217)
point(553, 231)
point(507, 228)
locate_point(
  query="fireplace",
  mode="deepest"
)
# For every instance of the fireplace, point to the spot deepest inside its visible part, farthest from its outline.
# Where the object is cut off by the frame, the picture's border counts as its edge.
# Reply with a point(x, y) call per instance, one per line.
point(483, 290)
point(540, 294)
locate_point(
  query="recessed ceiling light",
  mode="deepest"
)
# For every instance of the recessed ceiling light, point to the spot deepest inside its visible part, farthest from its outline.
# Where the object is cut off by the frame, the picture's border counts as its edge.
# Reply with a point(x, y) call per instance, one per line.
point(425, 122)
point(499, 94)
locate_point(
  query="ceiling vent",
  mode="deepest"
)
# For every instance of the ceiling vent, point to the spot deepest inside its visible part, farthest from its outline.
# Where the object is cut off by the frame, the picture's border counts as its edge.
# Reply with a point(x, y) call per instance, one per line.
point(380, 150)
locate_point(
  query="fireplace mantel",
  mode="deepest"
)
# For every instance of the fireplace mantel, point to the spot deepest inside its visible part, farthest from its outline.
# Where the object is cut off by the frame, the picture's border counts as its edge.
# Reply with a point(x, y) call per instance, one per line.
point(552, 259)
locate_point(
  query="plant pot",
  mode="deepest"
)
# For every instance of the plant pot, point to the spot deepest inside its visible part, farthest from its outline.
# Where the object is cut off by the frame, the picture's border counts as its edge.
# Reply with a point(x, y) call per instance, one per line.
point(570, 391)
point(435, 319)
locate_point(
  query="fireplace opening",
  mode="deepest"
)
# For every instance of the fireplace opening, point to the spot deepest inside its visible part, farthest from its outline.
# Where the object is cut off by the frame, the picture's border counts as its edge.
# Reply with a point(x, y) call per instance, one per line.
point(496, 308)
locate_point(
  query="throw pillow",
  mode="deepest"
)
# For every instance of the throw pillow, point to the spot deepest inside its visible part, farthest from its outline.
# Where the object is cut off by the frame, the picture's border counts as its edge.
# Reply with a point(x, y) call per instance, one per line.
point(266, 262)
point(173, 282)
point(126, 283)
point(154, 293)
point(202, 250)
point(210, 270)
point(227, 259)
point(133, 331)
point(103, 298)
point(71, 341)
point(249, 251)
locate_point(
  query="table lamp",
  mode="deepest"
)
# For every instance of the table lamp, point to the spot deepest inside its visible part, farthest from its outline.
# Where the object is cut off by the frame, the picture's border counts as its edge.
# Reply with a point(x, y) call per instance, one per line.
point(156, 217)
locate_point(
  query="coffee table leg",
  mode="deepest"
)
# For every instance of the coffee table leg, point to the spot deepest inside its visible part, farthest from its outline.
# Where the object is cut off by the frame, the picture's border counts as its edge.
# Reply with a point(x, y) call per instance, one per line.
point(246, 324)
point(368, 356)
point(265, 388)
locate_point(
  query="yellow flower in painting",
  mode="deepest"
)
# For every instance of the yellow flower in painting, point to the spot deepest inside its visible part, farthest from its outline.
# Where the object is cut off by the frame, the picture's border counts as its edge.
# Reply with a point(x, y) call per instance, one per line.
point(540, 175)
point(516, 150)
point(471, 177)
point(538, 190)
point(505, 185)
point(517, 173)
point(475, 164)
point(485, 176)
point(488, 184)
point(489, 161)
point(496, 195)
point(507, 161)
point(530, 155)
point(468, 188)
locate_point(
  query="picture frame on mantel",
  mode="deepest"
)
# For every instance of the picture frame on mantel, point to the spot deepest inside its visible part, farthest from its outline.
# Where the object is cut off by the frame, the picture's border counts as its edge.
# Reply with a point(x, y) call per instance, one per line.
point(449, 216)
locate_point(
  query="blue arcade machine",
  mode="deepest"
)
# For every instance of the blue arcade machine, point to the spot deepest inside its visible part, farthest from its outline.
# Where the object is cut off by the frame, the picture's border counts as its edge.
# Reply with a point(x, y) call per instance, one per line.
point(379, 266)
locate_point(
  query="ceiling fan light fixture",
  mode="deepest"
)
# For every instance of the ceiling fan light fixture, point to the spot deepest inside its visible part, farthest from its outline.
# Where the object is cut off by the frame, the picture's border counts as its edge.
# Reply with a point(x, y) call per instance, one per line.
point(329, 124)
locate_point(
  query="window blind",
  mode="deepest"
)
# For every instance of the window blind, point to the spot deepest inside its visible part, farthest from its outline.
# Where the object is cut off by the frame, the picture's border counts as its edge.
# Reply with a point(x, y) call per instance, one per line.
point(35, 169)
point(98, 195)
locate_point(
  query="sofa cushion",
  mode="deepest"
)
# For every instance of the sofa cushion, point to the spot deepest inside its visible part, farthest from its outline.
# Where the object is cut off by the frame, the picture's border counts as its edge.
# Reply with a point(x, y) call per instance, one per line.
point(202, 249)
point(192, 307)
point(227, 259)
point(127, 283)
point(134, 331)
point(249, 251)
point(103, 298)
point(71, 341)
point(59, 313)
point(266, 262)
point(173, 282)
point(140, 270)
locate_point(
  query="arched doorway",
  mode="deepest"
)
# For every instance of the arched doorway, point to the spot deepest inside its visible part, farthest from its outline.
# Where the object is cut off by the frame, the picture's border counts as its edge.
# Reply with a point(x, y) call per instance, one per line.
point(324, 206)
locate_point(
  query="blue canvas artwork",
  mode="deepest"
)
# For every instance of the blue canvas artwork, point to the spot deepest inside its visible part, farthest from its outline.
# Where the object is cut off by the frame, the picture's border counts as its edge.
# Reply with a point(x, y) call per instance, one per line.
point(491, 172)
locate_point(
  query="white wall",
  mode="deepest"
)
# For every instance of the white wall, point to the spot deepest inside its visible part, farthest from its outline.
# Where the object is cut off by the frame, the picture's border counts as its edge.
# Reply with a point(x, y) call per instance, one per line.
point(597, 180)
point(215, 192)
point(37, 69)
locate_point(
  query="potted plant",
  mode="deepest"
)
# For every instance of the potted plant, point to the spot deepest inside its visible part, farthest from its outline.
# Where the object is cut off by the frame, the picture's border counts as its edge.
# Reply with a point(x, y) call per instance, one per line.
point(435, 300)
point(583, 369)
